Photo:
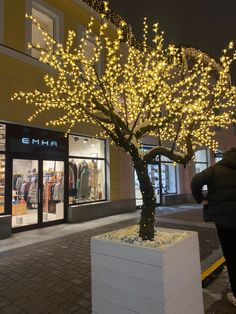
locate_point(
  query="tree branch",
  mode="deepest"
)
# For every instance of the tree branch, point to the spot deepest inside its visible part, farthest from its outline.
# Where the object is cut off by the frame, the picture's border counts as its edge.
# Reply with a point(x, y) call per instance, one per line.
point(171, 154)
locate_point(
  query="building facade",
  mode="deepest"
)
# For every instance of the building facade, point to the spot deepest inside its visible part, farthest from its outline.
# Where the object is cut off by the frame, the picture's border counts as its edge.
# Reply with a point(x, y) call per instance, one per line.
point(47, 178)
point(172, 182)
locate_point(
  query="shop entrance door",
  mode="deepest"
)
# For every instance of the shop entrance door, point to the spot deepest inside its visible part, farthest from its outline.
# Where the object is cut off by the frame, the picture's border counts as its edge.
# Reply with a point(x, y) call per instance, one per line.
point(37, 192)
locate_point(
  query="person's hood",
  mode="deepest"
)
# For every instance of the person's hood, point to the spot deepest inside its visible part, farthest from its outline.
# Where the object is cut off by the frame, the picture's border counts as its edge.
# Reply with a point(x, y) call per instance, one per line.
point(229, 159)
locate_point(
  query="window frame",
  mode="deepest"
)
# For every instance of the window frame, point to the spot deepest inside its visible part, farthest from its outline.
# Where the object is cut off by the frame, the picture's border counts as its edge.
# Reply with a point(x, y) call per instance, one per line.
point(51, 12)
point(158, 161)
point(162, 163)
point(201, 162)
point(81, 29)
point(106, 162)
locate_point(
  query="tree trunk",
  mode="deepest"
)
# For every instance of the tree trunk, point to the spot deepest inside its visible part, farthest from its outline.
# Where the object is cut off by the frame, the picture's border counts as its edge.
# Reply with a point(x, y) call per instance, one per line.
point(146, 231)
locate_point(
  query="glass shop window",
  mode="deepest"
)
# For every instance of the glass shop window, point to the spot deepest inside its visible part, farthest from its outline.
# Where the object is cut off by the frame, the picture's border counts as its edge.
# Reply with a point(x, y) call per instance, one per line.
point(87, 177)
point(218, 155)
point(47, 24)
point(168, 176)
point(201, 162)
point(86, 147)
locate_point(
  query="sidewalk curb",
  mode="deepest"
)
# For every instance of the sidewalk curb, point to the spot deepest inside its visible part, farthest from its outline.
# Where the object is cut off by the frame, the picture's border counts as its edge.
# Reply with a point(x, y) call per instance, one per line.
point(208, 274)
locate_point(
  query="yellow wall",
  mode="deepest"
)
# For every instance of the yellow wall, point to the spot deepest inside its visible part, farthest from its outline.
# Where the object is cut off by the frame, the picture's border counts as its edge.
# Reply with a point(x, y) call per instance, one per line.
point(122, 176)
point(20, 72)
point(15, 21)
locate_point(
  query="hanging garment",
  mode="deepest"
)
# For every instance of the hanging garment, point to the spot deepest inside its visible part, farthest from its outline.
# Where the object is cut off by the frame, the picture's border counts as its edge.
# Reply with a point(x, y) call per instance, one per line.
point(18, 184)
point(33, 193)
point(83, 177)
point(22, 189)
point(26, 190)
point(58, 193)
point(46, 196)
point(93, 174)
point(51, 202)
point(15, 177)
point(72, 178)
point(52, 206)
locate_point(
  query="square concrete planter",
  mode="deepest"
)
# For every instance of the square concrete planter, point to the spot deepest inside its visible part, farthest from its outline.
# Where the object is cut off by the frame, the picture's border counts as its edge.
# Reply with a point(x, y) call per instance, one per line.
point(129, 278)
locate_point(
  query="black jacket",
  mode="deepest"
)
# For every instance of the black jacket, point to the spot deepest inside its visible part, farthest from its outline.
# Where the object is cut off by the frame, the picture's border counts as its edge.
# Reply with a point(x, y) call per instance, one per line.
point(221, 182)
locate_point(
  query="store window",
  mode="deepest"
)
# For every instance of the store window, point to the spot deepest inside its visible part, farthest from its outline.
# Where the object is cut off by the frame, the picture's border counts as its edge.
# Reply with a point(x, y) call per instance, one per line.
point(87, 175)
point(201, 160)
point(163, 176)
point(168, 176)
point(89, 47)
point(218, 155)
point(2, 166)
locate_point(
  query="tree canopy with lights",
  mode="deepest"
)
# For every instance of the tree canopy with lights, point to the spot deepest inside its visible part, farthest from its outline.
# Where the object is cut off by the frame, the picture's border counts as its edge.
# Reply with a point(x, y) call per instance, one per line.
point(178, 95)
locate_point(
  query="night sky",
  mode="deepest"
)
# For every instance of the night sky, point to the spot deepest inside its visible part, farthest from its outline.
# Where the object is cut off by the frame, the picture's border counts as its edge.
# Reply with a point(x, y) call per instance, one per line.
point(205, 24)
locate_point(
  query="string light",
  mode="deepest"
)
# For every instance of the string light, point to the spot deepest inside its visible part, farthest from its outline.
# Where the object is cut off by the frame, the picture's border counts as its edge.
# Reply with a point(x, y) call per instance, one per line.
point(180, 96)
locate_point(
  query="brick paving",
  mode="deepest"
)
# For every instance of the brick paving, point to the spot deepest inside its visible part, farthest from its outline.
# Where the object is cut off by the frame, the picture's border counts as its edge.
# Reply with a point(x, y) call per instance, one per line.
point(54, 276)
point(50, 277)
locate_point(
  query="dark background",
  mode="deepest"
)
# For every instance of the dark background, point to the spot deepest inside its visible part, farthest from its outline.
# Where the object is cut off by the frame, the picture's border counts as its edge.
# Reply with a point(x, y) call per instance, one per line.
point(205, 24)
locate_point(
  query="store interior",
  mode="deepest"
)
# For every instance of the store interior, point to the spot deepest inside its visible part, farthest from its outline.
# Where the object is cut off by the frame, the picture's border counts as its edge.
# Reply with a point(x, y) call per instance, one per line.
point(26, 192)
point(86, 169)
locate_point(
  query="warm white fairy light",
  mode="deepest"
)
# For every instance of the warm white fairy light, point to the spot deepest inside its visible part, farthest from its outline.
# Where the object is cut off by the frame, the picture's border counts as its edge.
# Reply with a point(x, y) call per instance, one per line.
point(179, 96)
point(165, 92)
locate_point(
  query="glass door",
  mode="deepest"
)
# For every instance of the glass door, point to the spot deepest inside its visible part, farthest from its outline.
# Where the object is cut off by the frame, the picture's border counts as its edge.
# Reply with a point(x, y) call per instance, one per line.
point(154, 174)
point(25, 192)
point(37, 192)
point(53, 190)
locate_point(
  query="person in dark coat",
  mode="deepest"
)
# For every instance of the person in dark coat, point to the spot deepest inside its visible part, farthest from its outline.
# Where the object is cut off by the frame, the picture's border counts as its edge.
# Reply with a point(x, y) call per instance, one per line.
point(221, 201)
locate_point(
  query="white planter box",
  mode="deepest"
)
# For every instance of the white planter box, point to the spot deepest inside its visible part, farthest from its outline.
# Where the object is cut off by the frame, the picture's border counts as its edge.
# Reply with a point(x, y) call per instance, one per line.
point(130, 279)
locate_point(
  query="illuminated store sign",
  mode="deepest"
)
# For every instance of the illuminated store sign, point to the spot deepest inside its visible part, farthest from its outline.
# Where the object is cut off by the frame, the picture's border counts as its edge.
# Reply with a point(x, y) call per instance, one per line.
point(44, 143)
point(32, 141)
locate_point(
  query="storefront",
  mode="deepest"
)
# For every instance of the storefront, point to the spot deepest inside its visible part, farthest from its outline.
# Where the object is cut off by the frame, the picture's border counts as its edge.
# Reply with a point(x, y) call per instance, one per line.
point(87, 170)
point(42, 172)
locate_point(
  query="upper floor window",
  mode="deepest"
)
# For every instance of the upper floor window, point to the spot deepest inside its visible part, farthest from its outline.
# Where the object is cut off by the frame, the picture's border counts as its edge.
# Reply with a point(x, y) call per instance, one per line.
point(46, 23)
point(201, 160)
point(49, 20)
point(89, 47)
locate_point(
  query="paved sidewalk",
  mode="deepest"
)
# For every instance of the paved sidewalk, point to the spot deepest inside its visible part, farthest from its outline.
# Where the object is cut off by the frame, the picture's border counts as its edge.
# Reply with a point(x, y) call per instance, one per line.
point(48, 270)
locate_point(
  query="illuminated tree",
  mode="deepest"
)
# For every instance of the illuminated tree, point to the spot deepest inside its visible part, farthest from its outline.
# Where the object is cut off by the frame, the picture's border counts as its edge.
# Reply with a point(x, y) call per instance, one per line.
point(179, 96)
